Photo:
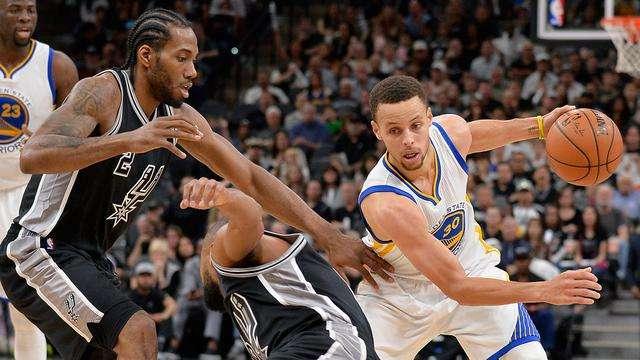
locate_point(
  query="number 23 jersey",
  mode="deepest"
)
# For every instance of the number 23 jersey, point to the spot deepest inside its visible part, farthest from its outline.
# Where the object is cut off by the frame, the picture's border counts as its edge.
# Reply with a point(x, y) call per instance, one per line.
point(27, 97)
point(448, 212)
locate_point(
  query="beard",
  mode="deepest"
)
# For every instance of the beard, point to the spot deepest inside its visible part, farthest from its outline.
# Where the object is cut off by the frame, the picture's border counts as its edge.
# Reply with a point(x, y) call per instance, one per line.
point(161, 88)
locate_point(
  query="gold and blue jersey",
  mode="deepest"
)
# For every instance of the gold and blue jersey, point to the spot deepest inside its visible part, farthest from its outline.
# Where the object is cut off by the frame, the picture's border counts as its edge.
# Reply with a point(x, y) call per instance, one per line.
point(27, 98)
point(448, 212)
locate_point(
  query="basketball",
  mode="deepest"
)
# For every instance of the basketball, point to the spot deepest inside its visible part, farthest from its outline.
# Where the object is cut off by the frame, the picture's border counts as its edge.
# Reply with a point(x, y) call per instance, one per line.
point(584, 147)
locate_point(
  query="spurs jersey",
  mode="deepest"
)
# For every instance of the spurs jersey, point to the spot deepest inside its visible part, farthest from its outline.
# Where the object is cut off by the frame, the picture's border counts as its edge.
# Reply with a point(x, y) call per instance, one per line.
point(27, 97)
point(91, 207)
point(448, 212)
point(296, 307)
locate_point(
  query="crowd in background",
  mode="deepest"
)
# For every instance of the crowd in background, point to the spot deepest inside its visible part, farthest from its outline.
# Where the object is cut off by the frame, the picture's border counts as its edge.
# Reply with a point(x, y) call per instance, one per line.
point(305, 118)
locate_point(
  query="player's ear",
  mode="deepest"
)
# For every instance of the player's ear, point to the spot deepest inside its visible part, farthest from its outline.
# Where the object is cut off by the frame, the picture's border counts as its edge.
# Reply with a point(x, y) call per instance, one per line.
point(429, 114)
point(145, 53)
point(376, 129)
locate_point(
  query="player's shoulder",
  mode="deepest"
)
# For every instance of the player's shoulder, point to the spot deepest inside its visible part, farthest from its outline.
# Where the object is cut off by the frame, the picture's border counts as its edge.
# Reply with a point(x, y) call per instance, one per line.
point(457, 129)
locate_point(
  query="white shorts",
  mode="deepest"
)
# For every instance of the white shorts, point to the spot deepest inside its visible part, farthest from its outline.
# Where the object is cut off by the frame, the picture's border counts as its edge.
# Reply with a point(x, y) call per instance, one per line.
point(9, 208)
point(402, 321)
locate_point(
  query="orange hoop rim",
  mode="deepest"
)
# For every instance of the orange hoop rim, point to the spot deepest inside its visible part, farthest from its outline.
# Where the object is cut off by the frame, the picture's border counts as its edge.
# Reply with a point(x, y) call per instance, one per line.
point(623, 21)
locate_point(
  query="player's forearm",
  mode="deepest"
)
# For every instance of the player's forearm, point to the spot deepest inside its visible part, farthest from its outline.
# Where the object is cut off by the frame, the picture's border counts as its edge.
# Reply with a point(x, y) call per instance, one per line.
point(491, 134)
point(283, 203)
point(482, 291)
point(52, 153)
point(242, 211)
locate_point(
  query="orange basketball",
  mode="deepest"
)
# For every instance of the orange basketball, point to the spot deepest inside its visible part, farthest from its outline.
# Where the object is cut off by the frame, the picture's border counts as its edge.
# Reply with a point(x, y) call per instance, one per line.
point(584, 147)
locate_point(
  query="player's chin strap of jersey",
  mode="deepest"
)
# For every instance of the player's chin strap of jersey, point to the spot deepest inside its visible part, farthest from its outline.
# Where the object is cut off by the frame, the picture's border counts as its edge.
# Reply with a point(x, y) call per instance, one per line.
point(540, 120)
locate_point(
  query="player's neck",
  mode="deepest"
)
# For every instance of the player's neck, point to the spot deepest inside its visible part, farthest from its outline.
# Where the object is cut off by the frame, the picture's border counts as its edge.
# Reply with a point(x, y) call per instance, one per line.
point(142, 90)
point(12, 54)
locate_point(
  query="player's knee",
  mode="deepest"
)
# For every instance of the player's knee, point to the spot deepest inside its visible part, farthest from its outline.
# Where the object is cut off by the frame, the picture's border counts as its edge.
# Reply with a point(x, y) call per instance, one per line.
point(141, 326)
point(138, 339)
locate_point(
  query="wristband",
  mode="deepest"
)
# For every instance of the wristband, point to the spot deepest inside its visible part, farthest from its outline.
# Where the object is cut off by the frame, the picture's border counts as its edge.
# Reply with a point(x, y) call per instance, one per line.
point(540, 120)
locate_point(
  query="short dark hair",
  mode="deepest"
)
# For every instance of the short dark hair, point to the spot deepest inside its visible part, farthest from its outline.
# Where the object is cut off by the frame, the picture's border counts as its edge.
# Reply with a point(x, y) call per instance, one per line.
point(152, 28)
point(395, 89)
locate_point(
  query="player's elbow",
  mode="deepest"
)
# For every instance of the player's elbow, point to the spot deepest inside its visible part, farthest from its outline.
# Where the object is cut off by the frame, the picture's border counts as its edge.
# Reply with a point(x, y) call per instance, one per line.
point(28, 161)
point(455, 290)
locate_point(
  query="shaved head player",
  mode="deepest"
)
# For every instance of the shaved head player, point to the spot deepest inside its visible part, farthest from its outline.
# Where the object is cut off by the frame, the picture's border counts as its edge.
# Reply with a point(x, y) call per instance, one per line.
point(100, 155)
point(34, 79)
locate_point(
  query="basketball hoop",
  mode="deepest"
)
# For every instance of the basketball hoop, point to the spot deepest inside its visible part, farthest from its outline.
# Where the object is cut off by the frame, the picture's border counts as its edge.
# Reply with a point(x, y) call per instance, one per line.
point(625, 35)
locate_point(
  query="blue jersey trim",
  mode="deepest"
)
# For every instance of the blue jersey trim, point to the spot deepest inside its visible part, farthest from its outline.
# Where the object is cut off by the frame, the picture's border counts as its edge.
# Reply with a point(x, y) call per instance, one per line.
point(383, 188)
point(453, 148)
point(378, 189)
point(513, 344)
point(436, 187)
point(52, 81)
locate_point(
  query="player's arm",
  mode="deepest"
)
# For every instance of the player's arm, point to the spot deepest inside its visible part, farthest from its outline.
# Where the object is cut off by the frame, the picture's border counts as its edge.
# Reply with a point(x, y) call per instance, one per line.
point(239, 237)
point(395, 217)
point(491, 134)
point(65, 75)
point(62, 143)
point(277, 199)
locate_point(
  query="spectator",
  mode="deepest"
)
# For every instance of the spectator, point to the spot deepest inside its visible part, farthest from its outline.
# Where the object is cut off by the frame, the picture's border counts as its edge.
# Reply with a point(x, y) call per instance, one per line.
point(310, 134)
point(483, 65)
point(252, 95)
point(525, 209)
point(344, 100)
point(503, 185)
point(317, 94)
point(349, 216)
point(355, 141)
point(626, 199)
point(634, 265)
point(482, 201)
point(331, 188)
point(570, 216)
point(540, 81)
point(157, 303)
point(273, 117)
point(491, 227)
point(510, 241)
point(573, 88)
point(313, 199)
point(544, 191)
point(167, 272)
point(610, 218)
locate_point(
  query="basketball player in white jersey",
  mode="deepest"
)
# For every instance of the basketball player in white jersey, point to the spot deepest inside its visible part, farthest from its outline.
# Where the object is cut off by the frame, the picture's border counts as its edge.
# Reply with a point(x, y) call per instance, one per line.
point(420, 220)
point(34, 79)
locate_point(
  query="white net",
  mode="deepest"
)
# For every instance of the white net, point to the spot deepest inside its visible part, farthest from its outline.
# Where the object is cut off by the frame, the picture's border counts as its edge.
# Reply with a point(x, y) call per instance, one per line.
point(625, 35)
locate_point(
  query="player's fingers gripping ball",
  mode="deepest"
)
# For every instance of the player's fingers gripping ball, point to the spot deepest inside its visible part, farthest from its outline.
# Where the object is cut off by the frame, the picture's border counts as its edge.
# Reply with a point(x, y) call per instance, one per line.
point(584, 147)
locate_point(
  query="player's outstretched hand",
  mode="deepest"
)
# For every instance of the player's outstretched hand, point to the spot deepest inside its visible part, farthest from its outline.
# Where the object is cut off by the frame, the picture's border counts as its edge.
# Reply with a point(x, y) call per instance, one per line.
point(573, 287)
point(551, 117)
point(159, 132)
point(203, 194)
point(349, 251)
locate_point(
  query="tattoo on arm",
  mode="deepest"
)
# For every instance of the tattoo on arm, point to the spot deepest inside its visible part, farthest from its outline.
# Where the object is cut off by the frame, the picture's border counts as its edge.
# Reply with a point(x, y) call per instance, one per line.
point(78, 116)
point(532, 130)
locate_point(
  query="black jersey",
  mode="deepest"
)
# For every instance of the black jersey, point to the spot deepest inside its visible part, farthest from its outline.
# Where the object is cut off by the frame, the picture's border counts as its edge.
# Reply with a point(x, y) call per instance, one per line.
point(91, 207)
point(296, 307)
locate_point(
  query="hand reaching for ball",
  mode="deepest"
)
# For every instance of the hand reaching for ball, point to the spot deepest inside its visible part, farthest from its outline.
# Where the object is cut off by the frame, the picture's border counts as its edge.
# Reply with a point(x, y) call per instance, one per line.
point(554, 115)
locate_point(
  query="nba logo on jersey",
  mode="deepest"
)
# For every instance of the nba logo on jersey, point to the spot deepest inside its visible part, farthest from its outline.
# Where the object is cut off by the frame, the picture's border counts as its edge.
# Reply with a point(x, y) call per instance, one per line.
point(556, 13)
point(13, 115)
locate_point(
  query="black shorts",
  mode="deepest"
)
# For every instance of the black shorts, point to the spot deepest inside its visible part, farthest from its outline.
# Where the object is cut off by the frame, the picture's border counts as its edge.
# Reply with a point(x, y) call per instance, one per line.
point(72, 297)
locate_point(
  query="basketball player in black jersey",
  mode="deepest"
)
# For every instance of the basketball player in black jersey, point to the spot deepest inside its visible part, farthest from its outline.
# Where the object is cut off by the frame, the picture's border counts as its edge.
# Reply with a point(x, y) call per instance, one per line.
point(100, 155)
point(286, 300)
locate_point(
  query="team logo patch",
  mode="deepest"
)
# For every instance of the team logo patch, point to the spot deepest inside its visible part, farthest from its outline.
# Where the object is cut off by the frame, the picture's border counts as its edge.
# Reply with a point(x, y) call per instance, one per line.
point(451, 230)
point(70, 302)
point(13, 115)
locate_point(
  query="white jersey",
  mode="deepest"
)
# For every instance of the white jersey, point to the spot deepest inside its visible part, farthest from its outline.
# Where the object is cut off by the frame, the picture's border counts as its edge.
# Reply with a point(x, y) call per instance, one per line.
point(27, 97)
point(448, 213)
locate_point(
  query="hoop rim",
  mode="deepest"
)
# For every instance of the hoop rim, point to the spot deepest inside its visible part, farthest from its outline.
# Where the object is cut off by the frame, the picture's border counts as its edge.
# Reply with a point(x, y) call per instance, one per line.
point(622, 21)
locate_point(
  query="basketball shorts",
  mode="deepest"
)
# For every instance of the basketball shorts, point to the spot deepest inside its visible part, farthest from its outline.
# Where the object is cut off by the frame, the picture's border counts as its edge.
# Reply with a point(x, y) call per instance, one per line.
point(405, 316)
point(9, 208)
point(72, 297)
